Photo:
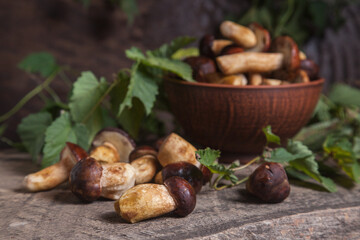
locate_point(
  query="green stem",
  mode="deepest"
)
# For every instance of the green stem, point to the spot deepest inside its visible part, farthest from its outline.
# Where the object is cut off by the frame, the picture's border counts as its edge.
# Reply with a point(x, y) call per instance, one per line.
point(247, 164)
point(232, 185)
point(27, 97)
point(99, 102)
point(216, 182)
point(285, 18)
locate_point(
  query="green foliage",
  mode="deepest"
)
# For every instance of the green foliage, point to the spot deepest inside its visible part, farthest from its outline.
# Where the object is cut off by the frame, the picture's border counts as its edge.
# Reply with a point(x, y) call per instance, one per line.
point(299, 19)
point(62, 130)
point(32, 132)
point(270, 137)
point(41, 62)
point(185, 52)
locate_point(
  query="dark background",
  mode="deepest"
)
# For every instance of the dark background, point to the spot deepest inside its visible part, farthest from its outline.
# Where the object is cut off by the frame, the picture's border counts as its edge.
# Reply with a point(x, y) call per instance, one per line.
point(95, 38)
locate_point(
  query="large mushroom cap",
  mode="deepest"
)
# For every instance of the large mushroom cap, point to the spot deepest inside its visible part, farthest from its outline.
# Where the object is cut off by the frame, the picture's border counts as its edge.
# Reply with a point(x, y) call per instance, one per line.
point(287, 46)
point(73, 152)
point(117, 138)
point(263, 38)
point(183, 194)
point(85, 179)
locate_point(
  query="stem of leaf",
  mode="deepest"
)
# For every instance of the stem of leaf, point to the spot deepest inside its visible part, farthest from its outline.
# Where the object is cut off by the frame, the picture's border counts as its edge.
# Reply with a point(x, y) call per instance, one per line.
point(285, 18)
point(231, 185)
point(28, 96)
point(247, 164)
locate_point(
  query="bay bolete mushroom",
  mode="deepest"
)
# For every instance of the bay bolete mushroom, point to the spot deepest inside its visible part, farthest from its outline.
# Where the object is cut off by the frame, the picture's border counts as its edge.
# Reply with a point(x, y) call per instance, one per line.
point(211, 47)
point(57, 173)
point(241, 35)
point(112, 145)
point(263, 39)
point(145, 168)
point(201, 66)
point(146, 201)
point(89, 179)
point(269, 182)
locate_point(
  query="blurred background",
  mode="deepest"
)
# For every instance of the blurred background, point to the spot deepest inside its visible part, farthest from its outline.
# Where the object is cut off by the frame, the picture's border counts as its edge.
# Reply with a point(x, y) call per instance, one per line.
point(93, 35)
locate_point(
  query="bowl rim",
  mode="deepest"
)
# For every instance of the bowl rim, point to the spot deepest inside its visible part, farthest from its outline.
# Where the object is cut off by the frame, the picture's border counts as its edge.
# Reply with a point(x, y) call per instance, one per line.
point(218, 85)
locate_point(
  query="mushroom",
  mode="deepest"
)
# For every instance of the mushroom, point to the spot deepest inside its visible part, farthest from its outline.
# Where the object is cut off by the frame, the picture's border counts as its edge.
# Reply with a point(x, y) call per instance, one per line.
point(185, 170)
point(231, 49)
point(263, 38)
point(89, 179)
point(146, 201)
point(142, 151)
point(57, 173)
point(249, 62)
point(241, 35)
point(302, 77)
point(287, 46)
point(311, 68)
point(145, 168)
point(269, 182)
point(255, 79)
point(235, 80)
point(272, 82)
point(211, 47)
point(176, 149)
point(112, 145)
point(201, 66)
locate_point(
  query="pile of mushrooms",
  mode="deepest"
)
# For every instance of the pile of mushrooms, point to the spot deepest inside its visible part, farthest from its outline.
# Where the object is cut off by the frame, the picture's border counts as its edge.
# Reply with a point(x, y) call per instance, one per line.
point(250, 57)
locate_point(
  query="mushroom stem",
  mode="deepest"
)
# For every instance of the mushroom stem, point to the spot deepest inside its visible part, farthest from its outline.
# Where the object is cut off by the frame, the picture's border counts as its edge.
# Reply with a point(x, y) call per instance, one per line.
point(241, 35)
point(145, 201)
point(249, 62)
point(145, 168)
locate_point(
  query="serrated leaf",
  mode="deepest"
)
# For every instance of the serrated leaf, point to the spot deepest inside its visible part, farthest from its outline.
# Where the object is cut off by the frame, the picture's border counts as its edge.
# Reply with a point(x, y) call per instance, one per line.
point(308, 165)
point(167, 50)
point(40, 62)
point(270, 136)
point(32, 132)
point(57, 134)
point(132, 118)
point(281, 155)
point(84, 105)
point(82, 135)
point(207, 156)
point(141, 86)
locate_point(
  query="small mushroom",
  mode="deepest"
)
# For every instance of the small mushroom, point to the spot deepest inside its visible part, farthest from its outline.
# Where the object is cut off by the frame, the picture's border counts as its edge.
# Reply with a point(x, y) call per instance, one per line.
point(201, 66)
point(269, 182)
point(211, 47)
point(263, 38)
point(89, 179)
point(112, 145)
point(255, 79)
point(249, 62)
point(311, 68)
point(176, 149)
point(185, 170)
point(145, 168)
point(241, 35)
point(142, 151)
point(272, 82)
point(302, 77)
point(146, 201)
point(235, 80)
point(57, 173)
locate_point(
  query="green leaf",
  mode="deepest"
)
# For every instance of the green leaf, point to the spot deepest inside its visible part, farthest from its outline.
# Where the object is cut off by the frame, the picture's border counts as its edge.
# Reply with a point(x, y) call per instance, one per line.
point(281, 155)
point(141, 86)
point(57, 134)
point(130, 9)
point(41, 62)
point(345, 95)
point(207, 156)
point(82, 135)
point(292, 172)
point(308, 165)
point(185, 52)
point(167, 50)
point(85, 101)
point(131, 118)
point(271, 137)
point(356, 147)
point(32, 132)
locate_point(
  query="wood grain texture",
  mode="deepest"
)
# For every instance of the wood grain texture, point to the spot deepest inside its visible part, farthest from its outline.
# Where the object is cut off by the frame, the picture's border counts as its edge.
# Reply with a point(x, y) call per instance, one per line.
point(227, 214)
point(231, 118)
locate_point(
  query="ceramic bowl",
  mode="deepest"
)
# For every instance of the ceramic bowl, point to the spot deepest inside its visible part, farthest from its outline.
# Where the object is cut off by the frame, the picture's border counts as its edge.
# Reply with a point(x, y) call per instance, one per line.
point(231, 118)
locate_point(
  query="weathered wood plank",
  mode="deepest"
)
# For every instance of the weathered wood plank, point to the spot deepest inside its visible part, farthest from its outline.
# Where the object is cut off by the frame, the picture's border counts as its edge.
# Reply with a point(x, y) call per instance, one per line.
point(230, 213)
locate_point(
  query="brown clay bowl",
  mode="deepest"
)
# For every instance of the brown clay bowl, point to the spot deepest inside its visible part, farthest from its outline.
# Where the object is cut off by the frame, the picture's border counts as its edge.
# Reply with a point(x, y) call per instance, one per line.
point(231, 118)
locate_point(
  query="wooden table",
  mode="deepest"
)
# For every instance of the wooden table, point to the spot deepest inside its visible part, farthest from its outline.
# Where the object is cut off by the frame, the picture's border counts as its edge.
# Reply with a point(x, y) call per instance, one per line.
point(227, 214)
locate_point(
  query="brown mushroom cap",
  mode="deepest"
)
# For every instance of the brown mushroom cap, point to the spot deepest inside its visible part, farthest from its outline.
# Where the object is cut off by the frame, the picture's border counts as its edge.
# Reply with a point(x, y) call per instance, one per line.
point(85, 179)
point(118, 138)
point(311, 68)
point(269, 182)
point(201, 66)
point(205, 46)
point(185, 170)
point(231, 49)
point(287, 46)
point(183, 194)
point(263, 39)
point(142, 151)
point(207, 174)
